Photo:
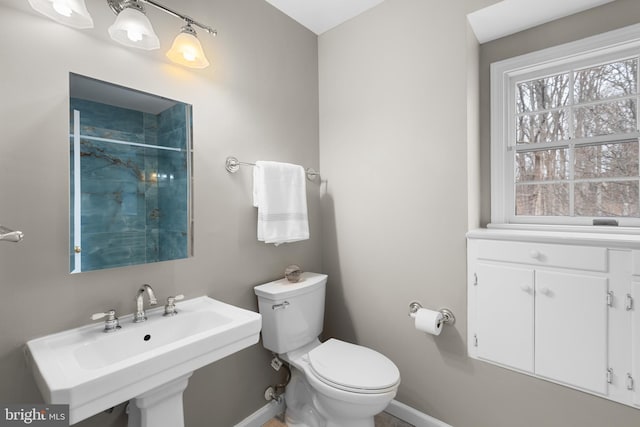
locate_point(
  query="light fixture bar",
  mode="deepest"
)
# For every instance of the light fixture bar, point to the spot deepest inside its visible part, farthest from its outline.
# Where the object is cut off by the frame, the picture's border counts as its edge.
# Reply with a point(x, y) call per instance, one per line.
point(186, 18)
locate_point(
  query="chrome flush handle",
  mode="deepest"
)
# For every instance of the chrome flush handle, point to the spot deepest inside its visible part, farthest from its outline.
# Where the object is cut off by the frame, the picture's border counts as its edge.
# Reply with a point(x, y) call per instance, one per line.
point(280, 306)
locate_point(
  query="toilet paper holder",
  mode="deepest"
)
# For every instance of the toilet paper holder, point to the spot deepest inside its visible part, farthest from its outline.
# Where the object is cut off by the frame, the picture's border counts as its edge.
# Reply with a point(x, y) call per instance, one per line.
point(447, 315)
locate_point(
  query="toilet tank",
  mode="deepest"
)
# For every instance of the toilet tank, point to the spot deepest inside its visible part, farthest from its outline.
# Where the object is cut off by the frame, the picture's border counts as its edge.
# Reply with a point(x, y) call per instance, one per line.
point(292, 313)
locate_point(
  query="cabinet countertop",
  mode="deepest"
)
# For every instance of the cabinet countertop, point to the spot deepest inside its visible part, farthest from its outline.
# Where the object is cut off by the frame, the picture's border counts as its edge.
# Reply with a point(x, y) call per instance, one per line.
point(565, 235)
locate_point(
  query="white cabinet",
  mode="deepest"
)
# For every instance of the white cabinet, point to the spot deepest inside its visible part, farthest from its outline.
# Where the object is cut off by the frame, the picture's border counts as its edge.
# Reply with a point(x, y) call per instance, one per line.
point(560, 310)
point(564, 314)
point(504, 332)
point(632, 381)
point(571, 329)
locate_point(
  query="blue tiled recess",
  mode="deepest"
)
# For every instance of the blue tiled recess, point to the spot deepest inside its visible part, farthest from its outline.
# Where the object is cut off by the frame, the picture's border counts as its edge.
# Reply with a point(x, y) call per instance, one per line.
point(134, 204)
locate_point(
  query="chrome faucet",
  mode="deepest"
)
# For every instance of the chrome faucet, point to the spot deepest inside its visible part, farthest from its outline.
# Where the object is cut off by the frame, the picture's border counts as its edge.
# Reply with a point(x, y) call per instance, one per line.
point(139, 315)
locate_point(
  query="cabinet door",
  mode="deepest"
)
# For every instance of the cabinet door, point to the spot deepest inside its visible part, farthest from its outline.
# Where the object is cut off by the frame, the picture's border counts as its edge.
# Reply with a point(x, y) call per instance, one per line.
point(571, 329)
point(504, 316)
point(635, 353)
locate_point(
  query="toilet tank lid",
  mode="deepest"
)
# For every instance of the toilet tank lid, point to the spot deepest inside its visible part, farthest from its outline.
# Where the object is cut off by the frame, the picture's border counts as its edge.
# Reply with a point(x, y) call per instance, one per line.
point(282, 288)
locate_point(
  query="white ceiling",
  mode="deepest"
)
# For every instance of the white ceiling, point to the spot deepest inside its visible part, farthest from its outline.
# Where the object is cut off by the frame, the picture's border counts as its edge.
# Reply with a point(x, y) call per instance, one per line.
point(510, 16)
point(492, 22)
point(322, 15)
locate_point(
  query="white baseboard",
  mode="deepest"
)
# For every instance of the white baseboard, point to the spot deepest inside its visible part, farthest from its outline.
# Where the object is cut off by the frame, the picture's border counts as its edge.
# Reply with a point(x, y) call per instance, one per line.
point(263, 414)
point(413, 416)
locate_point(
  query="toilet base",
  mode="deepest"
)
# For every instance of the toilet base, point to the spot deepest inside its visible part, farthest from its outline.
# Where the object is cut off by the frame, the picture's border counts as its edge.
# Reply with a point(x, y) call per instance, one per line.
point(298, 397)
point(307, 408)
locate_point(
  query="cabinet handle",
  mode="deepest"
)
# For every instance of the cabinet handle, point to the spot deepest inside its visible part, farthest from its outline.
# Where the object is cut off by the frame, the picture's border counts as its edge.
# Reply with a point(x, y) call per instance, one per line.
point(545, 291)
point(527, 288)
point(629, 382)
point(534, 254)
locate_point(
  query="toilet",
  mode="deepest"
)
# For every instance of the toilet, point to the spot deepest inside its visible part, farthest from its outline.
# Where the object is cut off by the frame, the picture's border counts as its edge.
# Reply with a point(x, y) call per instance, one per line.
point(333, 383)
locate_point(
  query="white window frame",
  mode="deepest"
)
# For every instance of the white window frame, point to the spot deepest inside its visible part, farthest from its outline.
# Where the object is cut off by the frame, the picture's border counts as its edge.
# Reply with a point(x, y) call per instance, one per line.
point(611, 45)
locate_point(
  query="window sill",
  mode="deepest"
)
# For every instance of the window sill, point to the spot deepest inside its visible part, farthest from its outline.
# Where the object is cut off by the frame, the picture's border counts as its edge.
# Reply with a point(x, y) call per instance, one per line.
point(613, 237)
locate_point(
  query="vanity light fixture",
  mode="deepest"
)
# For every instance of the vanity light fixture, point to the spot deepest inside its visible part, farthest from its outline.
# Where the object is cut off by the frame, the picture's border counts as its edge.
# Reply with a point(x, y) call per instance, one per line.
point(187, 50)
point(73, 13)
point(132, 27)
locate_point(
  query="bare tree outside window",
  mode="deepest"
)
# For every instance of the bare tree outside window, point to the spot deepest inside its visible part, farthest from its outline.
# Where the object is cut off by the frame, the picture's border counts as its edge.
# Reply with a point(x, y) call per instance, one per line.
point(575, 154)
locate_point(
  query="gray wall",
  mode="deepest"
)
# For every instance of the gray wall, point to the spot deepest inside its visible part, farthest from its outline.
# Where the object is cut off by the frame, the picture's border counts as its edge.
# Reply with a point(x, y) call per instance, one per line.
point(258, 100)
point(396, 132)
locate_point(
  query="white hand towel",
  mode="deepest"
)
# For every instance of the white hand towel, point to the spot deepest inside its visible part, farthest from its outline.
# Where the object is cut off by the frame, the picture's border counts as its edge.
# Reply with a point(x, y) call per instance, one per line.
point(280, 194)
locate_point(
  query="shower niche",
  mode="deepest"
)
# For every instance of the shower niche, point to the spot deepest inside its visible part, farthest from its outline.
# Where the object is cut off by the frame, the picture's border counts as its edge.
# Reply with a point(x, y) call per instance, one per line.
point(130, 176)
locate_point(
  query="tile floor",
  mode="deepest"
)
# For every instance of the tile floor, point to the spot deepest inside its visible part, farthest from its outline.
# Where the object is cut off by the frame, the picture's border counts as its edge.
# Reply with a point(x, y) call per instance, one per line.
point(382, 420)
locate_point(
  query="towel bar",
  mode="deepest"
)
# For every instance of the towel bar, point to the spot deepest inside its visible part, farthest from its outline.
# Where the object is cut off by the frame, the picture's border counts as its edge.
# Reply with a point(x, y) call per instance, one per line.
point(232, 164)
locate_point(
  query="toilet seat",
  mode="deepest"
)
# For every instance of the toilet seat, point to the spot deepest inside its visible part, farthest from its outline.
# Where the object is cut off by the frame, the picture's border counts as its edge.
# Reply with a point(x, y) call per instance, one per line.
point(353, 368)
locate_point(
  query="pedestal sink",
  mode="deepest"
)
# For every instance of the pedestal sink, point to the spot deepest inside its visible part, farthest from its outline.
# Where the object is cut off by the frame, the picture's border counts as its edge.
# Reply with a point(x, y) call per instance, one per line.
point(148, 363)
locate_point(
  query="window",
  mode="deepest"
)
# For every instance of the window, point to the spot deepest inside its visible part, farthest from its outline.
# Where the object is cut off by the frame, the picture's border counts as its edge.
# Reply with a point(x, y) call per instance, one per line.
point(565, 133)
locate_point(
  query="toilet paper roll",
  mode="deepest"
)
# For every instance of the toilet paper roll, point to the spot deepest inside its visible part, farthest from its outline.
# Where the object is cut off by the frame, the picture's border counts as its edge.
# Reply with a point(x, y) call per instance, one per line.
point(429, 321)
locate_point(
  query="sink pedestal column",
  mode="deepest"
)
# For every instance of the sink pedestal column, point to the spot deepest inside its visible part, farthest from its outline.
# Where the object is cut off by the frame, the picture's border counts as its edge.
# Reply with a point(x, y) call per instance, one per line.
point(161, 406)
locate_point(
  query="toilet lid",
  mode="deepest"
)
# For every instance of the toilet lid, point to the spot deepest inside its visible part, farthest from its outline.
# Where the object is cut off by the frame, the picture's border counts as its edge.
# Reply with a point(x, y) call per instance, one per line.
point(350, 366)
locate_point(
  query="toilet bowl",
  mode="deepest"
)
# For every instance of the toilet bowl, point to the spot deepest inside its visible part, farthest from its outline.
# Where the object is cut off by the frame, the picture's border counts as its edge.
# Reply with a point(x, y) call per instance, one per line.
point(333, 384)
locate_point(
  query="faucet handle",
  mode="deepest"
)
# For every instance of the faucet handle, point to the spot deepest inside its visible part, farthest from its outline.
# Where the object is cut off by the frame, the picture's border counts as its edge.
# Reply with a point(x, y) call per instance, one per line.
point(111, 323)
point(170, 307)
point(110, 314)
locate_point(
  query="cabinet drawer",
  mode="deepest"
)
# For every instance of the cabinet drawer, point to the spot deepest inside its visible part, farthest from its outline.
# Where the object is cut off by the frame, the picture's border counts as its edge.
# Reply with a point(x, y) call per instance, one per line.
point(551, 255)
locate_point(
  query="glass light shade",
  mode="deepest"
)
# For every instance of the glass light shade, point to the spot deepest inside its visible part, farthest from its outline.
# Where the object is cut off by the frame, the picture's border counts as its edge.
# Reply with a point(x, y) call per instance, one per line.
point(187, 50)
point(73, 13)
point(132, 28)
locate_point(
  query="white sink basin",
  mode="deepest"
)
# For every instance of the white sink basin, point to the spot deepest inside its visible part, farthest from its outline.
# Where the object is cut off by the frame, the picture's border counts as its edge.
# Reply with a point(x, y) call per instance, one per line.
point(92, 371)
